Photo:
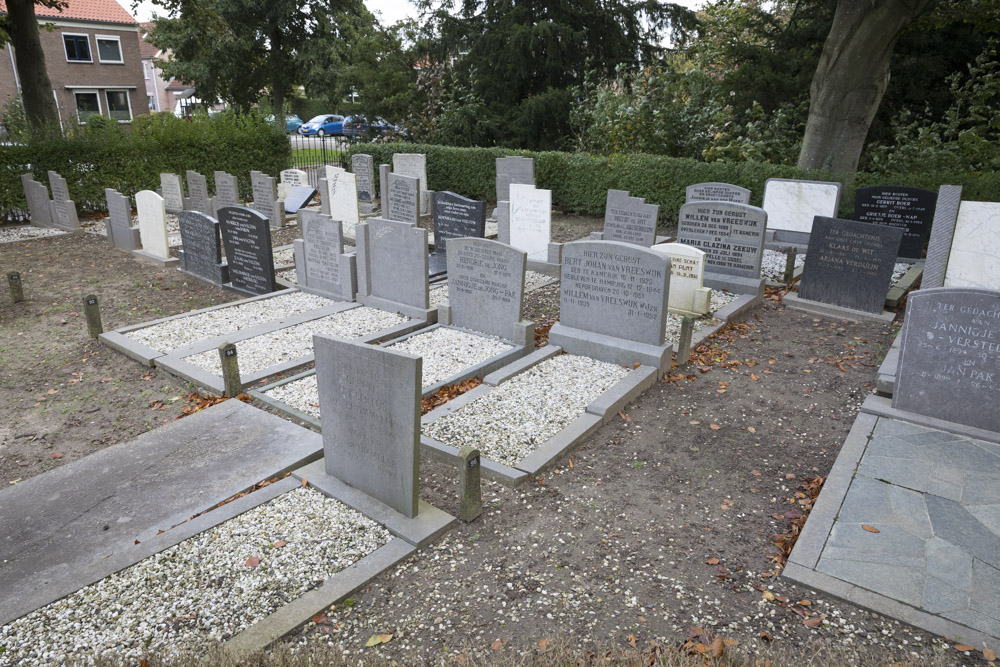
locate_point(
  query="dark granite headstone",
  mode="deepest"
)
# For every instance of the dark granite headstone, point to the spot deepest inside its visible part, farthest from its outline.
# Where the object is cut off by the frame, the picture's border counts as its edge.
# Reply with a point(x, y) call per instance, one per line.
point(201, 254)
point(629, 219)
point(118, 224)
point(949, 363)
point(246, 235)
point(456, 217)
point(716, 192)
point(731, 235)
point(849, 264)
point(910, 209)
point(298, 197)
point(404, 196)
point(197, 191)
point(227, 190)
point(486, 285)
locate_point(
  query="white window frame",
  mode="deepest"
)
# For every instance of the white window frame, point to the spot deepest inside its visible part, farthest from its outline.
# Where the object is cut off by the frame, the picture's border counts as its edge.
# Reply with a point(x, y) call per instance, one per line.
point(66, 53)
point(128, 100)
point(151, 102)
point(146, 64)
point(109, 38)
point(86, 91)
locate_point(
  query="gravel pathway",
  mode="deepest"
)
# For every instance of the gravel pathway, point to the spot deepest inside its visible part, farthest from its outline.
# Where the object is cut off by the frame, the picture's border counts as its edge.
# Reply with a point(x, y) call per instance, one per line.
point(203, 589)
point(26, 233)
point(185, 330)
point(270, 349)
point(509, 422)
point(447, 352)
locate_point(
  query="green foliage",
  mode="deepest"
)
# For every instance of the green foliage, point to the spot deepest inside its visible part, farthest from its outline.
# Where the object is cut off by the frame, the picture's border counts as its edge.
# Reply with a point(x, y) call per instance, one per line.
point(100, 156)
point(13, 122)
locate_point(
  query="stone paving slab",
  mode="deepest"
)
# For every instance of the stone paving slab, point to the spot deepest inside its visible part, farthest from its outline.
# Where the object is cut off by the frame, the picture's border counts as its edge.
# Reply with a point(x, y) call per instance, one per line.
point(908, 524)
point(73, 525)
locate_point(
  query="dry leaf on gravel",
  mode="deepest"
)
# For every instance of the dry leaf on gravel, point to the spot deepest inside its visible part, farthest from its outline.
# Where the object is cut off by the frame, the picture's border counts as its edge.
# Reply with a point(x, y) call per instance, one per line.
point(989, 654)
point(253, 561)
point(871, 529)
point(496, 645)
point(963, 648)
point(813, 622)
point(712, 561)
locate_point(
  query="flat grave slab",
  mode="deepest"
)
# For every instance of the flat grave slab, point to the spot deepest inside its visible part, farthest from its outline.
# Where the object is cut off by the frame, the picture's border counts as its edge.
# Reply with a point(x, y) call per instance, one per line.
point(80, 522)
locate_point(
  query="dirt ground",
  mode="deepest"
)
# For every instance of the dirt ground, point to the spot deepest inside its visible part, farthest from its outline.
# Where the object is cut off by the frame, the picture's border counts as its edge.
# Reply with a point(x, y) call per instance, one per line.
point(658, 532)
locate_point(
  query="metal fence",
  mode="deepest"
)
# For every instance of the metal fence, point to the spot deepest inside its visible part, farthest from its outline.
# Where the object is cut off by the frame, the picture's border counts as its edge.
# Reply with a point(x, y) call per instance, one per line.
point(311, 154)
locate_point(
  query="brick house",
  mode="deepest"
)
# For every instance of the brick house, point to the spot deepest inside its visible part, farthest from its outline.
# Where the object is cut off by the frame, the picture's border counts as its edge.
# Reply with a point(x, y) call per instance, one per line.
point(156, 86)
point(93, 59)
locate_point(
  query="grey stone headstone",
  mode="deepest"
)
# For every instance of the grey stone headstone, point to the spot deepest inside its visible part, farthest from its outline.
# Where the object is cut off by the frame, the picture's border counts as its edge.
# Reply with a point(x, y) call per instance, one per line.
point(227, 190)
point(197, 191)
point(629, 219)
point(320, 263)
point(731, 235)
point(246, 235)
point(513, 169)
point(121, 233)
point(615, 289)
point(38, 201)
point(949, 363)
point(383, 185)
point(910, 209)
point(849, 264)
point(486, 285)
point(63, 208)
point(503, 222)
point(392, 256)
point(299, 197)
point(173, 194)
point(369, 398)
point(264, 196)
point(402, 203)
point(942, 233)
point(716, 192)
point(415, 165)
point(60, 189)
point(201, 254)
point(324, 202)
point(363, 167)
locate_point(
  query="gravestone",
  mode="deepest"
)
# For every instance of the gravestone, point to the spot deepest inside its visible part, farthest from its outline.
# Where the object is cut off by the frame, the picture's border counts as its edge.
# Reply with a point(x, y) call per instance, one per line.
point(60, 189)
point(173, 194)
point(118, 225)
point(942, 233)
point(503, 222)
point(227, 191)
point(246, 235)
point(321, 267)
point(37, 196)
point(910, 209)
point(342, 191)
point(731, 235)
point(513, 169)
point(369, 397)
point(716, 192)
point(363, 167)
point(324, 202)
point(415, 165)
point(530, 220)
point(299, 198)
point(454, 217)
point(849, 264)
point(264, 199)
point(197, 192)
point(485, 285)
point(392, 267)
point(63, 208)
point(974, 256)
point(152, 213)
point(201, 254)
point(791, 206)
point(949, 364)
point(291, 178)
point(687, 278)
point(629, 219)
point(383, 185)
point(401, 204)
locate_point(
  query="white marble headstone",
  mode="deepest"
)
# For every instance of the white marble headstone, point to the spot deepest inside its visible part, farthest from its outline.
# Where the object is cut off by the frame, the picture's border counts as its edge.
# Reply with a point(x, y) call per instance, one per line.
point(291, 178)
point(791, 205)
point(687, 278)
point(975, 249)
point(342, 191)
point(152, 213)
point(530, 220)
point(415, 165)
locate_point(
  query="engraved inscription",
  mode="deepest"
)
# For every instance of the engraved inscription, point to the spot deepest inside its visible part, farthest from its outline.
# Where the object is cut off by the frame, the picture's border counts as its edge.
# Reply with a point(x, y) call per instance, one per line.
point(731, 236)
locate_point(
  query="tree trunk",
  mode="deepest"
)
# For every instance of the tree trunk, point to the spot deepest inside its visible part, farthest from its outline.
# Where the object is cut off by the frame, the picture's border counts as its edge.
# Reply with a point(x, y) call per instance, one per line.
point(278, 87)
point(850, 79)
point(36, 90)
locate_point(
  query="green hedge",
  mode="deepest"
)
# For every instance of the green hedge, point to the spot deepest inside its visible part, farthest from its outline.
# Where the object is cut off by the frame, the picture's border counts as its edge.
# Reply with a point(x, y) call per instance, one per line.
point(131, 159)
point(580, 181)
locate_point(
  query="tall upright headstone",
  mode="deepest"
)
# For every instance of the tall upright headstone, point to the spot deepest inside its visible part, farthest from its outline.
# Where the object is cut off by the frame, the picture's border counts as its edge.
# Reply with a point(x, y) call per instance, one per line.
point(687, 278)
point(197, 192)
point(716, 192)
point(369, 397)
point(402, 201)
point(342, 191)
point(246, 235)
point(949, 363)
point(392, 267)
point(383, 185)
point(942, 233)
point(321, 267)
point(974, 258)
point(910, 209)
point(118, 225)
point(227, 191)
point(363, 167)
point(152, 213)
point(791, 206)
point(731, 235)
point(201, 254)
point(173, 194)
point(503, 222)
point(63, 208)
point(264, 199)
point(415, 165)
point(629, 219)
point(530, 220)
point(485, 285)
point(37, 196)
point(513, 169)
point(454, 217)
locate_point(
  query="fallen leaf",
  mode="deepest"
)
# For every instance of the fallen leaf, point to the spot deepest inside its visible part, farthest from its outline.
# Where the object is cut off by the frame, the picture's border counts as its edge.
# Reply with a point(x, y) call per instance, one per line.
point(871, 529)
point(717, 648)
point(56, 455)
point(632, 639)
point(813, 622)
point(804, 603)
point(253, 561)
point(321, 619)
point(755, 472)
point(496, 645)
point(714, 427)
point(279, 544)
point(963, 648)
point(384, 638)
point(52, 391)
point(642, 619)
point(544, 644)
point(753, 376)
point(751, 429)
point(790, 476)
point(766, 636)
point(767, 595)
point(989, 654)
point(720, 391)
point(712, 561)
point(694, 422)
point(304, 482)
point(373, 641)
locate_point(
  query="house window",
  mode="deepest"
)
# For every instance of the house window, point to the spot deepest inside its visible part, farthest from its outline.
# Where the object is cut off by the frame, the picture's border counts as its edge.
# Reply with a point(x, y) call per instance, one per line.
point(87, 104)
point(152, 102)
point(145, 69)
point(118, 105)
point(109, 49)
point(77, 48)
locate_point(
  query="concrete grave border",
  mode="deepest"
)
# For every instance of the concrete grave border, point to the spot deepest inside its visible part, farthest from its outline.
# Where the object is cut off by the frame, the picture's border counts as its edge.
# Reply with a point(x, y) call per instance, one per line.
point(795, 302)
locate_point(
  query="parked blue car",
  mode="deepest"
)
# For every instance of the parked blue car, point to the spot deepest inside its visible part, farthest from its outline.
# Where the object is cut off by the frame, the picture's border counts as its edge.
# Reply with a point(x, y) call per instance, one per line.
point(323, 125)
point(357, 126)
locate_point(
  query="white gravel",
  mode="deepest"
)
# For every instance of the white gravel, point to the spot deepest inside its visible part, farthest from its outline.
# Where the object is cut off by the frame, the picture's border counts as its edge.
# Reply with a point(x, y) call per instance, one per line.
point(270, 349)
point(438, 295)
point(181, 331)
point(26, 233)
point(201, 590)
point(302, 395)
point(289, 276)
point(447, 352)
point(509, 422)
point(772, 266)
point(284, 256)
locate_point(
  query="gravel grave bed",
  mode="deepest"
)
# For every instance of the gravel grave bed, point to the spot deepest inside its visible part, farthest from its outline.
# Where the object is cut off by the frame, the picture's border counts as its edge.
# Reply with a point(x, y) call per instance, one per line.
point(284, 256)
point(289, 276)
point(509, 422)
point(302, 395)
point(26, 233)
point(719, 299)
point(176, 333)
point(203, 589)
point(772, 266)
point(270, 349)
